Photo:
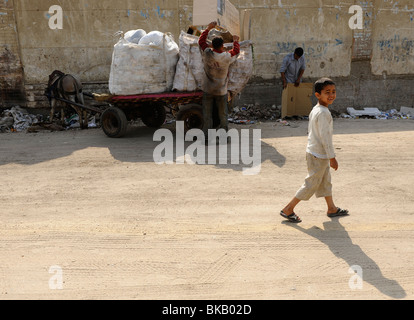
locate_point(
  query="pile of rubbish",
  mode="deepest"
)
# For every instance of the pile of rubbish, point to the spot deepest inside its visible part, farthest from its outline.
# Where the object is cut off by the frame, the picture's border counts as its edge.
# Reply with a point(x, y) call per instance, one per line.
point(374, 113)
point(251, 113)
point(72, 121)
point(18, 119)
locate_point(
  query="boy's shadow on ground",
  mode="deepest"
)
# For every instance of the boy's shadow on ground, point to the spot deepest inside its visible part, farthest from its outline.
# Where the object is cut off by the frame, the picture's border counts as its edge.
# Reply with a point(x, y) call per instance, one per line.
point(339, 242)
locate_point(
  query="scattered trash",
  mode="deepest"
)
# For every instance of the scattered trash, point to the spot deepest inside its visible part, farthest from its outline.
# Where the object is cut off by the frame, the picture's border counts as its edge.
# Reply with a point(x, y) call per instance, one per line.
point(283, 122)
point(404, 113)
point(73, 122)
point(6, 123)
point(92, 122)
point(345, 116)
point(394, 114)
point(17, 119)
point(239, 121)
point(256, 112)
point(407, 111)
point(371, 112)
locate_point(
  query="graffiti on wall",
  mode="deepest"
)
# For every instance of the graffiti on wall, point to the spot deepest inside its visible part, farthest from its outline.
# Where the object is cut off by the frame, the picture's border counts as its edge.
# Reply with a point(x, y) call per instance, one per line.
point(398, 49)
point(311, 49)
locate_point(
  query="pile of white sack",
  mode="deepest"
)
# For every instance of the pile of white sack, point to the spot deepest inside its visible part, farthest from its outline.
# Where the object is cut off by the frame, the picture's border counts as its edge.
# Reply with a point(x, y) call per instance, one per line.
point(143, 63)
point(154, 63)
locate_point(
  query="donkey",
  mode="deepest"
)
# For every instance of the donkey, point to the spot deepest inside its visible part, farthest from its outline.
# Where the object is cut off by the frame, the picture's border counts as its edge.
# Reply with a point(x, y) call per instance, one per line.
point(68, 87)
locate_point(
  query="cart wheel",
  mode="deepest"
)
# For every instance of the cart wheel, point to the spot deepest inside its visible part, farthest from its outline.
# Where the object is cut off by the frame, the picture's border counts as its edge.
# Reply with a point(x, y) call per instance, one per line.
point(154, 115)
point(192, 115)
point(114, 122)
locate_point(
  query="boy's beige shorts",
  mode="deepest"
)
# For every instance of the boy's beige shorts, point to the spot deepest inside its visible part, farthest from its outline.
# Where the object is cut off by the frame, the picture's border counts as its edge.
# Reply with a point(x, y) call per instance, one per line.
point(318, 181)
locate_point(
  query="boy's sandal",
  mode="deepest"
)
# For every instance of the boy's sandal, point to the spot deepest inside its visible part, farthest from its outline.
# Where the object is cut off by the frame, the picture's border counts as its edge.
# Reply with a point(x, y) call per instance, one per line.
point(339, 213)
point(291, 218)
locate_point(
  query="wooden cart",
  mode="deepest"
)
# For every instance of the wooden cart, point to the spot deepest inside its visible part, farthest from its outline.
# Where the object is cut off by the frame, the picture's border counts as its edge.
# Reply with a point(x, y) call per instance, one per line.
point(152, 109)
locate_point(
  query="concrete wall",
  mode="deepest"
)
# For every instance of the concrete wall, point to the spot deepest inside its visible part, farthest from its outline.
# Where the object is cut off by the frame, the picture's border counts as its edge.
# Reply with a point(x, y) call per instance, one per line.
point(393, 38)
point(373, 67)
point(319, 27)
point(84, 45)
point(383, 50)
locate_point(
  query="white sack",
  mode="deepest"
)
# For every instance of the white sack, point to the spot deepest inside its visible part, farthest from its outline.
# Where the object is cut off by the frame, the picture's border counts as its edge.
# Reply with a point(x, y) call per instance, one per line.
point(189, 73)
point(144, 68)
point(241, 70)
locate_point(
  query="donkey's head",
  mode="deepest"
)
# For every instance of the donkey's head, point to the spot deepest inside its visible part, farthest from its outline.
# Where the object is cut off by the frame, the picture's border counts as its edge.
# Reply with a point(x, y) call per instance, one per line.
point(54, 76)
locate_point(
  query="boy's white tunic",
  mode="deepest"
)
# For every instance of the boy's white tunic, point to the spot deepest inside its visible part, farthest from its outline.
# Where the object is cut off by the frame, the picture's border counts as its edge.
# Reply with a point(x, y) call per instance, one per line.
point(319, 150)
point(320, 133)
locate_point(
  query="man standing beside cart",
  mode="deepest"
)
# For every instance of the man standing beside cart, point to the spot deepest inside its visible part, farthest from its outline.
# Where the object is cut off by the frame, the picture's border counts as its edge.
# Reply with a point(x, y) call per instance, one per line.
point(216, 66)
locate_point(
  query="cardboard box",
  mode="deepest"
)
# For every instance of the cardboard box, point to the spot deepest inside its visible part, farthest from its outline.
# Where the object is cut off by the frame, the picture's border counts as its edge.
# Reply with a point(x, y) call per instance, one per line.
point(297, 101)
point(222, 11)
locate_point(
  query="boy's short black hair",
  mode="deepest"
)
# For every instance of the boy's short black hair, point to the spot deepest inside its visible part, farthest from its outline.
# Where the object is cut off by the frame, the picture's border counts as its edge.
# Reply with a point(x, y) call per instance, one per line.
point(299, 52)
point(322, 83)
point(217, 42)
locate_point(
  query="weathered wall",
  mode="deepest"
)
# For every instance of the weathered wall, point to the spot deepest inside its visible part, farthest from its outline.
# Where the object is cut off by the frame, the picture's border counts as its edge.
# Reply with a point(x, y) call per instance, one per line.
point(373, 67)
point(393, 37)
point(11, 73)
point(84, 45)
point(319, 27)
point(383, 49)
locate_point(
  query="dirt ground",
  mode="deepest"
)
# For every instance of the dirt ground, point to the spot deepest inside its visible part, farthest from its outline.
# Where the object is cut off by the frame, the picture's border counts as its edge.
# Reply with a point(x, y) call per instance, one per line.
point(83, 216)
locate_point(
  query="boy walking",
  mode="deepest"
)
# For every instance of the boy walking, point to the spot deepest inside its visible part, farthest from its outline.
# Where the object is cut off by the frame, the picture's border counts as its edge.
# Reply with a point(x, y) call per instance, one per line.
point(320, 155)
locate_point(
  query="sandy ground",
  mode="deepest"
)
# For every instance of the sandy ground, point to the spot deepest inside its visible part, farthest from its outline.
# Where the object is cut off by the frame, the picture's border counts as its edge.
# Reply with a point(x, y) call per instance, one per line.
point(83, 216)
